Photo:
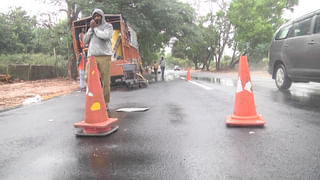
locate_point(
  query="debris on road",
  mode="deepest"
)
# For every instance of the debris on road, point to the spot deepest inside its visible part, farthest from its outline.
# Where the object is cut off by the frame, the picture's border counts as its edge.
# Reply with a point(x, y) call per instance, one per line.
point(31, 100)
point(132, 109)
point(5, 77)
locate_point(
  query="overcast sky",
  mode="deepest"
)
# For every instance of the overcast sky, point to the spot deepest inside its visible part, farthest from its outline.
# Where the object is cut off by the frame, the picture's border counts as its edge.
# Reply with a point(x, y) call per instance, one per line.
point(304, 7)
point(35, 7)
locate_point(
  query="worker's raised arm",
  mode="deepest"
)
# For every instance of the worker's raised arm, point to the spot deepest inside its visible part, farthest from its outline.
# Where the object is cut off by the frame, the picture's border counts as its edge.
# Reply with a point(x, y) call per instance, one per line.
point(87, 36)
point(106, 33)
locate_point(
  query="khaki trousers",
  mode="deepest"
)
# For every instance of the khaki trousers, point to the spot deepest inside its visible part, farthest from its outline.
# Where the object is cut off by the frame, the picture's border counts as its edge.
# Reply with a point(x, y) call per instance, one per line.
point(104, 64)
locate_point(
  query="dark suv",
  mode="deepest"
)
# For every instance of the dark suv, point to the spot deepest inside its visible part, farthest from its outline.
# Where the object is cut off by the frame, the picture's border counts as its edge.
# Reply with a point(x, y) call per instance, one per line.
point(294, 54)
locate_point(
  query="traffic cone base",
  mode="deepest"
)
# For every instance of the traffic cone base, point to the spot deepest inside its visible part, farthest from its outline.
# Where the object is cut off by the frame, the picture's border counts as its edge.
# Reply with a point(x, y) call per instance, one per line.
point(233, 120)
point(96, 129)
point(84, 132)
point(103, 124)
point(96, 121)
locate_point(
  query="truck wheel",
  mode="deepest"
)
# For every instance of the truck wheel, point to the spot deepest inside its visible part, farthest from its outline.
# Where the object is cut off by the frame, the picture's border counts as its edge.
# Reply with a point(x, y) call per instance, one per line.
point(282, 80)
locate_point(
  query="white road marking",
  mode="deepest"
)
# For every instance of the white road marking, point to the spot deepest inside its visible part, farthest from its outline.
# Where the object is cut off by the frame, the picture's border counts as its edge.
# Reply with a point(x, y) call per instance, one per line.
point(132, 109)
point(201, 85)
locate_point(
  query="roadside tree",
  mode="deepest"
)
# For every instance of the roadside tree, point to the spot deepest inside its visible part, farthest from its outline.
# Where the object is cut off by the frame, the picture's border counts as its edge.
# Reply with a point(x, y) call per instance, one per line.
point(255, 22)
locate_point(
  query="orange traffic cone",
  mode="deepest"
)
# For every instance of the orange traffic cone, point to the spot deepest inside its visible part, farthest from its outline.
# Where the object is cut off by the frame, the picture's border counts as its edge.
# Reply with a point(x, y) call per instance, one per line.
point(96, 121)
point(188, 75)
point(244, 108)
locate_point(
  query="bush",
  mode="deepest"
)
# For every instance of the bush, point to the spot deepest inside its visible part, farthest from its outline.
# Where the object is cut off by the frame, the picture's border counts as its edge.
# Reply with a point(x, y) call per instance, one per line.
point(38, 59)
point(3, 69)
point(60, 62)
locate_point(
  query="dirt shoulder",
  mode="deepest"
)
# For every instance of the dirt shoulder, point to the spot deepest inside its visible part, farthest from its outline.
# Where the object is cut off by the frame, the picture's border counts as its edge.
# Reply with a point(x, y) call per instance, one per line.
point(14, 94)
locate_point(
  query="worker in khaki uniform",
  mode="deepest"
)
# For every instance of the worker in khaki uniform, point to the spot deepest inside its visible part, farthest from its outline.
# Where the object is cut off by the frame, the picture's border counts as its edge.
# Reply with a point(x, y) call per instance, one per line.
point(155, 70)
point(99, 38)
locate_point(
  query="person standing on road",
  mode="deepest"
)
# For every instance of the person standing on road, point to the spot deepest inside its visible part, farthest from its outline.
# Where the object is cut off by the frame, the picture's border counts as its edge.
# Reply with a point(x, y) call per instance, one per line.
point(99, 38)
point(81, 36)
point(81, 67)
point(162, 66)
point(155, 70)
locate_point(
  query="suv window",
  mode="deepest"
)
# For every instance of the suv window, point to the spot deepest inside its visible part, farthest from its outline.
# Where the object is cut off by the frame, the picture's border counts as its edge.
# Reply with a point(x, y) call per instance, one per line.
point(300, 28)
point(283, 32)
point(317, 25)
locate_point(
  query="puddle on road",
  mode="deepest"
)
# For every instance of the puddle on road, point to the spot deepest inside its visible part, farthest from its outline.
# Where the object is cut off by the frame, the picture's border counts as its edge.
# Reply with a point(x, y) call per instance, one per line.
point(170, 77)
point(299, 96)
point(175, 114)
point(225, 82)
point(174, 76)
point(214, 80)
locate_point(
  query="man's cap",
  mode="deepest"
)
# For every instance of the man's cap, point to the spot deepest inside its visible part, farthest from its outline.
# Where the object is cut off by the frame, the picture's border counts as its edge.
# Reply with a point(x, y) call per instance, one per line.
point(97, 11)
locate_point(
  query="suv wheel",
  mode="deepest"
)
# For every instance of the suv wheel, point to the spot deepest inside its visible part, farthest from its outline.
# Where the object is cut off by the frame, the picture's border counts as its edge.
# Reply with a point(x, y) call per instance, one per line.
point(281, 78)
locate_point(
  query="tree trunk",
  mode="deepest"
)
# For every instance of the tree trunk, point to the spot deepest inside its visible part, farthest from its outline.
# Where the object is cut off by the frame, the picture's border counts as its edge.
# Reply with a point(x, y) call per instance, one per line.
point(72, 66)
point(208, 61)
point(232, 63)
point(72, 14)
point(218, 63)
point(195, 61)
point(55, 61)
point(205, 64)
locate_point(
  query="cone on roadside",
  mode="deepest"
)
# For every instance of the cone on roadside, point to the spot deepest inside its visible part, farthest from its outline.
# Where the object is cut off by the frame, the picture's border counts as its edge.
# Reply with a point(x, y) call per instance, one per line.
point(188, 75)
point(96, 121)
point(244, 108)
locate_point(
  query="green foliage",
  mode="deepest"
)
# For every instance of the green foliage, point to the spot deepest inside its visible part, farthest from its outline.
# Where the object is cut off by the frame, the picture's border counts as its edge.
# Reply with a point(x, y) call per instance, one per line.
point(155, 22)
point(225, 61)
point(6, 43)
point(3, 69)
point(36, 59)
point(19, 34)
point(41, 40)
point(255, 21)
point(191, 45)
point(16, 31)
point(172, 61)
point(49, 38)
point(259, 52)
point(206, 41)
point(199, 40)
point(221, 27)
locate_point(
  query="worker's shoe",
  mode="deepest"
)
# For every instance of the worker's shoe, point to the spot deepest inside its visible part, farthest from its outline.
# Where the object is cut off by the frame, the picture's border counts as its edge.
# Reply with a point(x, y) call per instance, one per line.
point(82, 90)
point(108, 110)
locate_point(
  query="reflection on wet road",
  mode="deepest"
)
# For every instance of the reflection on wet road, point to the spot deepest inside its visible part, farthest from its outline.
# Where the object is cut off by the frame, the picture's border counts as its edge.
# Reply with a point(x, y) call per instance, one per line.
point(182, 136)
point(220, 81)
point(300, 95)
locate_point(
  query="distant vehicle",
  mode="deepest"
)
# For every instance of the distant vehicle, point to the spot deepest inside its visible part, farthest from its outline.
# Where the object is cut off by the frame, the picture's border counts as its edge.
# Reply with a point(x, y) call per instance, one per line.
point(294, 54)
point(176, 68)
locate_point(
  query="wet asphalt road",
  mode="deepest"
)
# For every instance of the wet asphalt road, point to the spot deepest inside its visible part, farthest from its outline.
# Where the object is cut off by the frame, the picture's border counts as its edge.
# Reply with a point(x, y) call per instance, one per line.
point(182, 136)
